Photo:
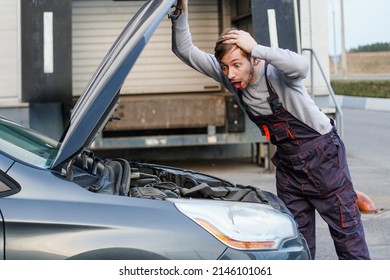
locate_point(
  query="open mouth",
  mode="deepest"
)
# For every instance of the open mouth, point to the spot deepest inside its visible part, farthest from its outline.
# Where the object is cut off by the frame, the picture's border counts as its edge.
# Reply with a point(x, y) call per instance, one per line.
point(237, 85)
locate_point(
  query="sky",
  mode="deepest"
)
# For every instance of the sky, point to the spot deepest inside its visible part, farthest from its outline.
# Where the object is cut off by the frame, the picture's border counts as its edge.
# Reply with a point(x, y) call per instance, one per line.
point(365, 22)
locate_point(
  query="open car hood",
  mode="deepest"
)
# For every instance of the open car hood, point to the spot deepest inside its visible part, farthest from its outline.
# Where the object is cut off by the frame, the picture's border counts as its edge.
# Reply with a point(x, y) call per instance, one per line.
point(99, 100)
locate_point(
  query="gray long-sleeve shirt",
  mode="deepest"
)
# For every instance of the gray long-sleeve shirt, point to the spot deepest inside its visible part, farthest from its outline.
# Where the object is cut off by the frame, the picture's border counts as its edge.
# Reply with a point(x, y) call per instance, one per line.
point(286, 71)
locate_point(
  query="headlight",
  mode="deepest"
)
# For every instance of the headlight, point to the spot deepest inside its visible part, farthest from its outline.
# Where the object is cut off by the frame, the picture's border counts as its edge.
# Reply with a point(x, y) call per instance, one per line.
point(243, 226)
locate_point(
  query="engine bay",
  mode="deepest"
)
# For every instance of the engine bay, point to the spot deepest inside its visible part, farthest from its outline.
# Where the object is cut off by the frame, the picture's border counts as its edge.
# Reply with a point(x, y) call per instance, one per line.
point(151, 181)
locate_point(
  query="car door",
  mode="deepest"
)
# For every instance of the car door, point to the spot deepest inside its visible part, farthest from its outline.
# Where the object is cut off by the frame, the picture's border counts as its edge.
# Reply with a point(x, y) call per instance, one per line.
point(7, 187)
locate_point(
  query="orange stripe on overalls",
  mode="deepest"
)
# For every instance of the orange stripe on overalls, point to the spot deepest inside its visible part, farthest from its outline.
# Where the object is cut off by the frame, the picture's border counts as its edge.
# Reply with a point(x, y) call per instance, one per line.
point(266, 132)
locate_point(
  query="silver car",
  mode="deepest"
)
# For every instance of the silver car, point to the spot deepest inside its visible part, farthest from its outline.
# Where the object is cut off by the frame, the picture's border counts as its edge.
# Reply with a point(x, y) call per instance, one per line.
point(59, 201)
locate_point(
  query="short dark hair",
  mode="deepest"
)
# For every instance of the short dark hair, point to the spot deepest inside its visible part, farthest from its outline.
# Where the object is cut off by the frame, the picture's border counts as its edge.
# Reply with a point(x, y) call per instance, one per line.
point(221, 49)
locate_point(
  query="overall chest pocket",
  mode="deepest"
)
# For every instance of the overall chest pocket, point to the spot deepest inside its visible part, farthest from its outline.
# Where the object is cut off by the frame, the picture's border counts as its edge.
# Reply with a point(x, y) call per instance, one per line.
point(281, 131)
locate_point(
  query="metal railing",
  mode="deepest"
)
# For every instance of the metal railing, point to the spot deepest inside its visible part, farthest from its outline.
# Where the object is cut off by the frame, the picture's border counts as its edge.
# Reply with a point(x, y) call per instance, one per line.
point(339, 112)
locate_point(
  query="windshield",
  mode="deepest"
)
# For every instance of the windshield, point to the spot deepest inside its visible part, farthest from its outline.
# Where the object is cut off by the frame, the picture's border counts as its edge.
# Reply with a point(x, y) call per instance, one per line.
point(26, 144)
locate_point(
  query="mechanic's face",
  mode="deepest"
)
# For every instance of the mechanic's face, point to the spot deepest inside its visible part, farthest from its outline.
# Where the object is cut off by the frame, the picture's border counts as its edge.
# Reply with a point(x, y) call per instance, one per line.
point(238, 68)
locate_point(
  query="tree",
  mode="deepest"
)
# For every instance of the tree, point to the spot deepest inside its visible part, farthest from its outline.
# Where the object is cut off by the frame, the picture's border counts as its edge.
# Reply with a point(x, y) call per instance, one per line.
point(377, 47)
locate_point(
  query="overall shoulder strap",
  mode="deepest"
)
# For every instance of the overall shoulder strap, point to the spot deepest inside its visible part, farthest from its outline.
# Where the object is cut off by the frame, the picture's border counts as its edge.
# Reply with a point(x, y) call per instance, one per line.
point(273, 98)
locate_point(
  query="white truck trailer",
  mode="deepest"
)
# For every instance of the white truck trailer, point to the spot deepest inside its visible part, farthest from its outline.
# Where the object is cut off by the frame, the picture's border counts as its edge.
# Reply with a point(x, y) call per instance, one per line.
point(49, 51)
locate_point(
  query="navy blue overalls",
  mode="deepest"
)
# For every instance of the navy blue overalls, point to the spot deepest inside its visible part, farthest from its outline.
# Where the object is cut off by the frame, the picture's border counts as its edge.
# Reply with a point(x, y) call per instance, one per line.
point(312, 173)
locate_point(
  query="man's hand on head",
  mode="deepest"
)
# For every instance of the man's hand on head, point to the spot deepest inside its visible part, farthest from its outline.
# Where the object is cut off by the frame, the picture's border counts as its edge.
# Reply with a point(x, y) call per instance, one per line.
point(242, 39)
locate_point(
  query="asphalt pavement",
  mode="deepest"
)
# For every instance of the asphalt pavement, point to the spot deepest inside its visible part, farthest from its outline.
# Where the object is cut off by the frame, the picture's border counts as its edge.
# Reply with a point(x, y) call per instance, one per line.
point(366, 137)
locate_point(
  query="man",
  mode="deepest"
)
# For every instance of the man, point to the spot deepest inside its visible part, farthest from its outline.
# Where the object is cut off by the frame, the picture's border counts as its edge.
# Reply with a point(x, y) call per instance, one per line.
point(311, 168)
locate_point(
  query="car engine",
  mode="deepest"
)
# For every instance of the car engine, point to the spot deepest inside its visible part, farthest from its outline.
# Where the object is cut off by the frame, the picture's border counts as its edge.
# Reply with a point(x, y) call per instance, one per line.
point(151, 181)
